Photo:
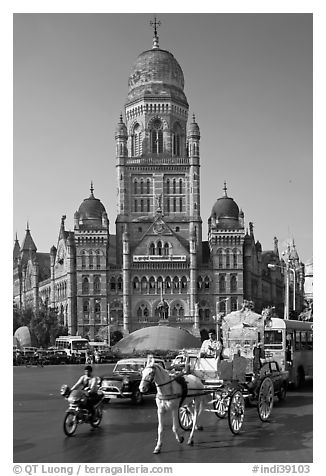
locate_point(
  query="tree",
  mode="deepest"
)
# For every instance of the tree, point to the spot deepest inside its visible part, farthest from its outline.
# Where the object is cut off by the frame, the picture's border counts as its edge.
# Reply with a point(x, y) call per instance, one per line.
point(115, 337)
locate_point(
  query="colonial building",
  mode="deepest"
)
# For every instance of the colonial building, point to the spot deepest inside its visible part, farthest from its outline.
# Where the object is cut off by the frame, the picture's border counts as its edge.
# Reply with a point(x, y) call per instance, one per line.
point(155, 268)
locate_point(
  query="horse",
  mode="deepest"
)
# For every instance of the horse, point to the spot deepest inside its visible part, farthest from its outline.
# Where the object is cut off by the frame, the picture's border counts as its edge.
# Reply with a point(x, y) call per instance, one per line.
point(169, 396)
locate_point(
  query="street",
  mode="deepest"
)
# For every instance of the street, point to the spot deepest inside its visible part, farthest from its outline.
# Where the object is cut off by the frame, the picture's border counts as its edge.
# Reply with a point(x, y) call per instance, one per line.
point(128, 433)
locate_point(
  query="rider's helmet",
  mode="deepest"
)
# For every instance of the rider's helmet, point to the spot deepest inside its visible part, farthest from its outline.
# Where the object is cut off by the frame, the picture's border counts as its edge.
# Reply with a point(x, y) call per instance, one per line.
point(89, 368)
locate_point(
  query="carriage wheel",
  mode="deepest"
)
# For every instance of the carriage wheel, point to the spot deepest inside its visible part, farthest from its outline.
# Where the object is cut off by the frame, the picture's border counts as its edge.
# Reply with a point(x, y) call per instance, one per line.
point(236, 411)
point(220, 404)
point(265, 399)
point(185, 415)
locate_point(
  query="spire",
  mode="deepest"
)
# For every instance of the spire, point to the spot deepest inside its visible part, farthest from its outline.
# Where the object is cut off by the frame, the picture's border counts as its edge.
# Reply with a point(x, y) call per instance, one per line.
point(121, 118)
point(155, 24)
point(16, 249)
point(28, 242)
point(225, 189)
point(92, 189)
point(193, 118)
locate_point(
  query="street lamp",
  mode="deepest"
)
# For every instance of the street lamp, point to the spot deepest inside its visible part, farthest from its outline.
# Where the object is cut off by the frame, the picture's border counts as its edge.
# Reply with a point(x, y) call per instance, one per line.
point(287, 285)
point(109, 327)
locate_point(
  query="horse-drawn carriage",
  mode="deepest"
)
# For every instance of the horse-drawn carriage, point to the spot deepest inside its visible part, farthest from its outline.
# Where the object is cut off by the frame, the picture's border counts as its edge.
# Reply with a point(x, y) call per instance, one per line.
point(240, 374)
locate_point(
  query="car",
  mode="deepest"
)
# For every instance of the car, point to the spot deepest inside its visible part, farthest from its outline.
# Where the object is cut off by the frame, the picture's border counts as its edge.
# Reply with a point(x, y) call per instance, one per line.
point(280, 378)
point(125, 379)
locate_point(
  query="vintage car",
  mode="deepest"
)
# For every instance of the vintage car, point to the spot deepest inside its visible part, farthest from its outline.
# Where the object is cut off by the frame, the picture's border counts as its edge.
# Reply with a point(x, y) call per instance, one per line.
point(125, 379)
point(280, 378)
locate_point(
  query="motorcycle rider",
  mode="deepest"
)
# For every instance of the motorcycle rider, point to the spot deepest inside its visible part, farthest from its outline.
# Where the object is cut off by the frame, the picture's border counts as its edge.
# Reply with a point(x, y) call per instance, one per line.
point(90, 385)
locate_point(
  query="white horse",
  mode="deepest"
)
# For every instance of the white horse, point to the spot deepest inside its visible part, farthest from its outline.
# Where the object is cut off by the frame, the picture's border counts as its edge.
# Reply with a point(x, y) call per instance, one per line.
point(168, 397)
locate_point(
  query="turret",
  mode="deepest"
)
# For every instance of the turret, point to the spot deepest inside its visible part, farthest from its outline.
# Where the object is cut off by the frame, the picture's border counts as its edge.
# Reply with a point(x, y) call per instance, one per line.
point(121, 137)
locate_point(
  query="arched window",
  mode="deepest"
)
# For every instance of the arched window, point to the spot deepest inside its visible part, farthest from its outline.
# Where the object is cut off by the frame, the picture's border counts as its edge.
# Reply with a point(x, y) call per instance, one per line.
point(227, 258)
point(199, 282)
point(174, 186)
point(168, 205)
point(136, 141)
point(159, 248)
point(157, 137)
point(83, 259)
point(97, 285)
point(206, 283)
point(142, 187)
point(86, 306)
point(220, 259)
point(98, 259)
point(222, 283)
point(159, 285)
point(180, 186)
point(90, 260)
point(144, 285)
point(112, 284)
point(168, 186)
point(136, 285)
point(148, 186)
point(151, 285)
point(180, 204)
point(166, 249)
point(176, 283)
point(135, 187)
point(233, 284)
point(235, 259)
point(148, 205)
point(176, 140)
point(168, 287)
point(174, 204)
point(222, 304)
point(184, 284)
point(135, 205)
point(85, 286)
point(234, 303)
point(152, 249)
point(97, 306)
point(120, 284)
point(141, 205)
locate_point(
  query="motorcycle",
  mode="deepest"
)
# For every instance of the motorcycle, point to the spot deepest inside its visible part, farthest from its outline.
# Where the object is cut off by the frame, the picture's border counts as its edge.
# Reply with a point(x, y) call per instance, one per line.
point(78, 411)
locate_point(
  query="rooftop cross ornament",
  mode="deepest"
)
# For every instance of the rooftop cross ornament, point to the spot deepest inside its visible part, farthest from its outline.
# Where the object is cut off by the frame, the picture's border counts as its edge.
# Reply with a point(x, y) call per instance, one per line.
point(155, 24)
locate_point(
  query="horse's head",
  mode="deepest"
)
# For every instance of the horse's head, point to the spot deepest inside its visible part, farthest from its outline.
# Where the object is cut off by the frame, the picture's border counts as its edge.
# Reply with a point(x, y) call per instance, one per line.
point(148, 375)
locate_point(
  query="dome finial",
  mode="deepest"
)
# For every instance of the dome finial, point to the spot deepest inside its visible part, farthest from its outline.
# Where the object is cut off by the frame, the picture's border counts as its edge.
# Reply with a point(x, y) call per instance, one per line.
point(121, 118)
point(225, 189)
point(92, 188)
point(155, 24)
point(193, 117)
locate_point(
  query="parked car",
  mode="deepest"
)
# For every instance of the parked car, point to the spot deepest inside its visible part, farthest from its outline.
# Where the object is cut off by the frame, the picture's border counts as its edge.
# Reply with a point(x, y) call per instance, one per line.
point(125, 379)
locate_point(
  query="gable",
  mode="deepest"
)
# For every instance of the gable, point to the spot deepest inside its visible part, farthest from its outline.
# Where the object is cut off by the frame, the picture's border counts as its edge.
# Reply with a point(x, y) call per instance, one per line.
point(160, 243)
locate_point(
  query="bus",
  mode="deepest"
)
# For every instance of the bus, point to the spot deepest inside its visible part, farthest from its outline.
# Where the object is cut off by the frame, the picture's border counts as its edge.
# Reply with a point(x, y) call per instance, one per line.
point(100, 346)
point(290, 343)
point(72, 345)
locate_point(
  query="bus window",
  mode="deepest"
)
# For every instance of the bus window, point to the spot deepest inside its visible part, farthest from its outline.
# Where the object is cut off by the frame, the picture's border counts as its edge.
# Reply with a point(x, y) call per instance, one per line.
point(303, 340)
point(297, 340)
point(273, 339)
point(309, 341)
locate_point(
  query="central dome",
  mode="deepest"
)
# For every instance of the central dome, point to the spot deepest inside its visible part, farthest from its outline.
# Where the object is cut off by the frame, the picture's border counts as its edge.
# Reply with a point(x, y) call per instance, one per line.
point(156, 73)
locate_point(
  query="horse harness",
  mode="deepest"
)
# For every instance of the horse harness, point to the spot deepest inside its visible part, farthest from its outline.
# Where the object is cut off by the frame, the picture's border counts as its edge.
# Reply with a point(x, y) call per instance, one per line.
point(180, 380)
